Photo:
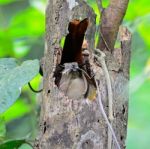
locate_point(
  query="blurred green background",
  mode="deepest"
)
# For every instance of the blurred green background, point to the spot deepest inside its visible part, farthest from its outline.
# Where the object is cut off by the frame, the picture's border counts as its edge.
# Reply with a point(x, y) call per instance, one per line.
point(22, 27)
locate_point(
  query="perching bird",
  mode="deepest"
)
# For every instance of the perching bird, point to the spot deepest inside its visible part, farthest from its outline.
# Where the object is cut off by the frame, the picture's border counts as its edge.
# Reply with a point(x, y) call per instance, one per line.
point(72, 76)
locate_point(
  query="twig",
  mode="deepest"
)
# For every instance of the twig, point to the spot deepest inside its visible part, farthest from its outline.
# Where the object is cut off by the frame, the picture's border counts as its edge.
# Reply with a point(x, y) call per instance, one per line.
point(33, 90)
point(104, 41)
point(105, 116)
point(99, 4)
point(100, 8)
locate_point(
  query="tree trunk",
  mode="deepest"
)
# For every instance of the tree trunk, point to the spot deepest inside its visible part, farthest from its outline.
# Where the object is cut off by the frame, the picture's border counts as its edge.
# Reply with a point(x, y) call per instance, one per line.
point(78, 124)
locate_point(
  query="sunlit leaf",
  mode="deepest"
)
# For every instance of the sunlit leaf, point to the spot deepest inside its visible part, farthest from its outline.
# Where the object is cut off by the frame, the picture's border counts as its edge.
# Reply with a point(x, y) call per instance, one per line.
point(2, 2)
point(6, 43)
point(137, 8)
point(36, 81)
point(29, 22)
point(15, 111)
point(95, 8)
point(62, 42)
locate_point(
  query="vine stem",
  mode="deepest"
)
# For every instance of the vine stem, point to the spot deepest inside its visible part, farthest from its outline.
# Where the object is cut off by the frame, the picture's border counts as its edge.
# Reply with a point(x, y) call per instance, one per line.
point(101, 60)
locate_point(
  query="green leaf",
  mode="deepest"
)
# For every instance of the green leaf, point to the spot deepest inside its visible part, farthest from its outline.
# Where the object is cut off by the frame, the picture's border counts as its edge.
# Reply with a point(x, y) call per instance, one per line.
point(12, 80)
point(137, 8)
point(7, 64)
point(25, 146)
point(22, 25)
point(2, 2)
point(93, 5)
point(15, 111)
point(14, 144)
point(6, 43)
point(2, 128)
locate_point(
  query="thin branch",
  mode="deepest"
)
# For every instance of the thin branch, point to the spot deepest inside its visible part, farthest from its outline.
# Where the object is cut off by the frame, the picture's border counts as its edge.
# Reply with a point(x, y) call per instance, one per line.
point(111, 18)
point(106, 44)
point(100, 6)
point(33, 90)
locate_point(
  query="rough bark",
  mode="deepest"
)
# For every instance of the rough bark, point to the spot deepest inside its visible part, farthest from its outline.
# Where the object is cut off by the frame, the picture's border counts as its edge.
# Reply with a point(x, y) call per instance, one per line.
point(78, 124)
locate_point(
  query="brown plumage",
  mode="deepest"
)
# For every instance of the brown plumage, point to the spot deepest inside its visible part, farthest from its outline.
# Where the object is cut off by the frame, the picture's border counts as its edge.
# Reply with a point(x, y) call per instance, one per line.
point(69, 76)
point(72, 51)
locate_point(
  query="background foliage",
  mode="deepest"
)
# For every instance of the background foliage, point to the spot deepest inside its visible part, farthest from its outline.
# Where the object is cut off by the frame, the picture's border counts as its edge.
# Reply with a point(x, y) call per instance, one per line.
point(22, 36)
